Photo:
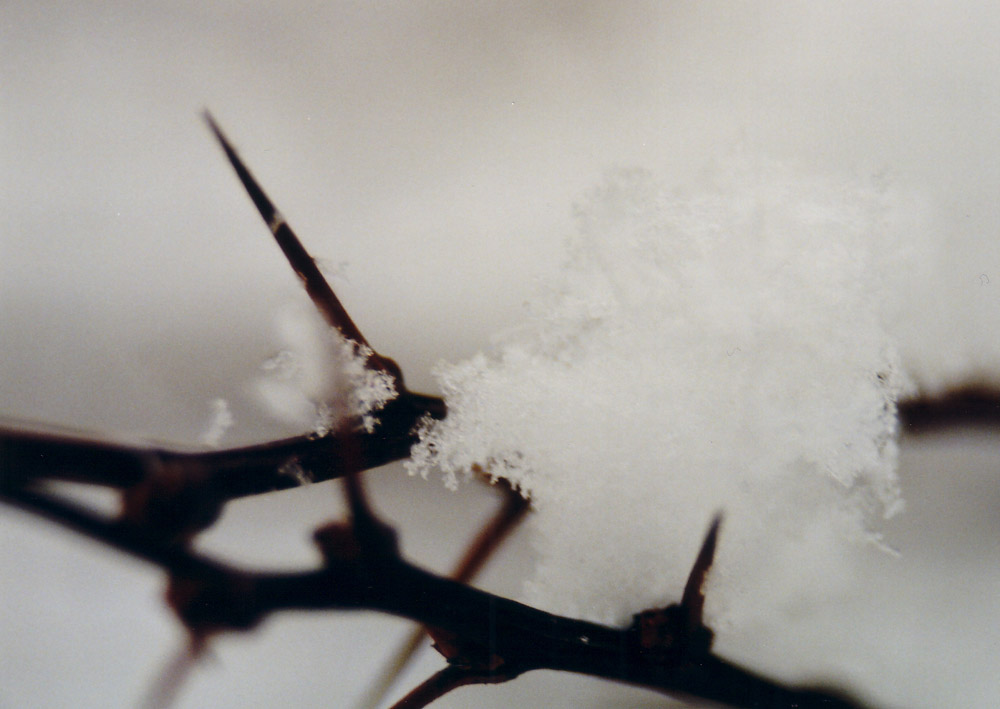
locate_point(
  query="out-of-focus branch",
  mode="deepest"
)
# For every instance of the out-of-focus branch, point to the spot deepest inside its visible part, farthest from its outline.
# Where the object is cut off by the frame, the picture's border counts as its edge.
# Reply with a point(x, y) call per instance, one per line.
point(442, 682)
point(236, 472)
point(964, 406)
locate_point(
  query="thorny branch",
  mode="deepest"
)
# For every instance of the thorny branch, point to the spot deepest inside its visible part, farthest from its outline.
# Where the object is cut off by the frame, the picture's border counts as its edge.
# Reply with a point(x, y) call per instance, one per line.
point(207, 480)
point(512, 510)
point(485, 637)
point(169, 496)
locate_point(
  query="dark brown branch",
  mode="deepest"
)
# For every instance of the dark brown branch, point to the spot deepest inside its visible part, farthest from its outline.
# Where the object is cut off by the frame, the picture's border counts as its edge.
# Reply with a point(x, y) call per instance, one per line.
point(119, 535)
point(964, 406)
point(512, 510)
point(236, 472)
point(210, 596)
point(26, 455)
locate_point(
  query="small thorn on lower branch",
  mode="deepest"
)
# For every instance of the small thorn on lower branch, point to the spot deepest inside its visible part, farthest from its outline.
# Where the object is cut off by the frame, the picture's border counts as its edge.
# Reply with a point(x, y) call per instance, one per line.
point(678, 632)
point(168, 684)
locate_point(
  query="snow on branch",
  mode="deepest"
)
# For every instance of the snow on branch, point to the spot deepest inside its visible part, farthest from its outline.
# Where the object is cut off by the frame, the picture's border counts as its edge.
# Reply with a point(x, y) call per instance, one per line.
point(724, 349)
point(485, 638)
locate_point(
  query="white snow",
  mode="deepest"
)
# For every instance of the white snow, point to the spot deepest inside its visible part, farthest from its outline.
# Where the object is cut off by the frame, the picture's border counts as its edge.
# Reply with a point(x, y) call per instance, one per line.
point(722, 348)
point(319, 379)
point(222, 420)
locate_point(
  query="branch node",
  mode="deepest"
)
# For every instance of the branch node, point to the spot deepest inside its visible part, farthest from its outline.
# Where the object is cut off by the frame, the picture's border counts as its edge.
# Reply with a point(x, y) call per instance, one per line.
point(337, 542)
point(665, 636)
point(678, 633)
point(213, 603)
point(174, 502)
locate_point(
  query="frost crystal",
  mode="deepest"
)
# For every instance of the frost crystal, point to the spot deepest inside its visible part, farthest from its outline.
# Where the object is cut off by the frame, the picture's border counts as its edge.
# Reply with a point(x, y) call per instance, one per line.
point(721, 350)
point(322, 380)
point(222, 421)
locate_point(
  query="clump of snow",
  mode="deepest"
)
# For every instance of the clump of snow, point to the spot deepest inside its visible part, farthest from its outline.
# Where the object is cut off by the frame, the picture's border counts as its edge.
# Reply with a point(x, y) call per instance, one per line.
point(222, 421)
point(320, 380)
point(721, 349)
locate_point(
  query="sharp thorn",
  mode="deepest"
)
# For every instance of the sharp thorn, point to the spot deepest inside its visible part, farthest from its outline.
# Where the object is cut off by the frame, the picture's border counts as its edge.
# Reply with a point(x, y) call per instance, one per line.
point(315, 283)
point(301, 262)
point(694, 595)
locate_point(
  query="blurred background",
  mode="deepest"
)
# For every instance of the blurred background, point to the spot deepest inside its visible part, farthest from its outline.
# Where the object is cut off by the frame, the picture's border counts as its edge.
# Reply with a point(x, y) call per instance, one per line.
point(429, 154)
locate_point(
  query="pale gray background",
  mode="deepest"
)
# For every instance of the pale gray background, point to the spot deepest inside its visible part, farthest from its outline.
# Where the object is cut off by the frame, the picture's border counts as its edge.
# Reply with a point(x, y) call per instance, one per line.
point(430, 153)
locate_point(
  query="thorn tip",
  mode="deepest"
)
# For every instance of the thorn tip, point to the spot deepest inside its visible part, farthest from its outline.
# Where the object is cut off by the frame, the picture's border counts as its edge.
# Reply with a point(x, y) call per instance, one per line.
point(694, 596)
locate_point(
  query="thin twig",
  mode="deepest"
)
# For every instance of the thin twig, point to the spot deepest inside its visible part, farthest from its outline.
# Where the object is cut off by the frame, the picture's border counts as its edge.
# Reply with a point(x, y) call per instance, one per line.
point(163, 692)
point(512, 510)
point(440, 683)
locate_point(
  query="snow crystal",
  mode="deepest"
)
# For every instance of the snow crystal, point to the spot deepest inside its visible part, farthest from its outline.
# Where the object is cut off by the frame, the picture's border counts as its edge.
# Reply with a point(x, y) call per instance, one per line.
point(722, 349)
point(222, 421)
point(322, 379)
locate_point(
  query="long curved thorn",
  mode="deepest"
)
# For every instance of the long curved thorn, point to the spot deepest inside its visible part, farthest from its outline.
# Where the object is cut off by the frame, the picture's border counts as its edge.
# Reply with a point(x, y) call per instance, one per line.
point(694, 595)
point(319, 290)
